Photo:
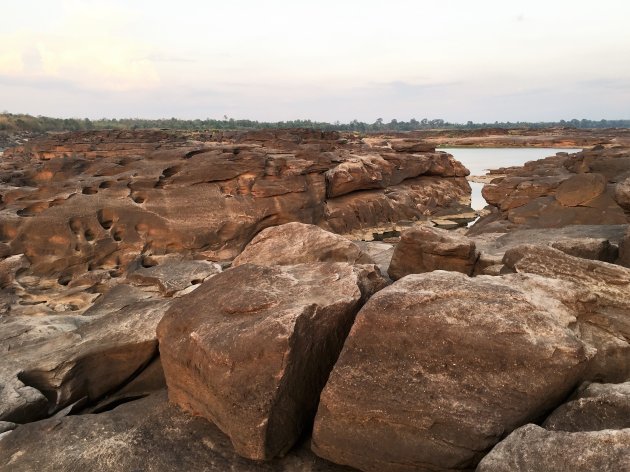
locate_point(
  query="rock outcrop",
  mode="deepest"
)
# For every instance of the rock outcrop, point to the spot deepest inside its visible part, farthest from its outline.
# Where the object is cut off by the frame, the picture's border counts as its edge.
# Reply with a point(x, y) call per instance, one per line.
point(251, 349)
point(586, 188)
point(533, 449)
point(298, 243)
point(424, 249)
point(438, 367)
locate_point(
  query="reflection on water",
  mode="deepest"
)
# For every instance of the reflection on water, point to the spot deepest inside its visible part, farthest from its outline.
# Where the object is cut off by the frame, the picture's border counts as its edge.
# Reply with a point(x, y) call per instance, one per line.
point(480, 160)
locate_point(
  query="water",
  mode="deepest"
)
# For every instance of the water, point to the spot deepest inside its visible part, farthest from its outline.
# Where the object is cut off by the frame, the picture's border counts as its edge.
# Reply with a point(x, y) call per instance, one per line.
point(480, 160)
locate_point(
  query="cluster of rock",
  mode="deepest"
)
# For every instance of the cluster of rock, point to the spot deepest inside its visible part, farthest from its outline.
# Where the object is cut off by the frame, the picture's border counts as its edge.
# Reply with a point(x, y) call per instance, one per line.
point(308, 351)
point(591, 187)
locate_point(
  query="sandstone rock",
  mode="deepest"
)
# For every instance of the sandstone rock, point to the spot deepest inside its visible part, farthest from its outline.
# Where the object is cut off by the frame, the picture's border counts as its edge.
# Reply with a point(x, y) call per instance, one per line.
point(92, 201)
point(40, 378)
point(297, 243)
point(580, 188)
point(147, 435)
point(624, 250)
point(533, 449)
point(251, 349)
point(561, 190)
point(595, 407)
point(423, 249)
point(622, 194)
point(439, 366)
point(171, 277)
point(604, 305)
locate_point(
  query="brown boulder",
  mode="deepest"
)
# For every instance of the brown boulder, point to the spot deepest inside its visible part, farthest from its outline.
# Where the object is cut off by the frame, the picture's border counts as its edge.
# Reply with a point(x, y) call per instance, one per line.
point(602, 311)
point(534, 449)
point(439, 366)
point(297, 243)
point(251, 349)
point(595, 407)
point(580, 188)
point(424, 249)
point(622, 194)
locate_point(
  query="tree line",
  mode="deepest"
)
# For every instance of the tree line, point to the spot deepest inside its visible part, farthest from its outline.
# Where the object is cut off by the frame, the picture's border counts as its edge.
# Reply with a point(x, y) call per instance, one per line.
point(10, 122)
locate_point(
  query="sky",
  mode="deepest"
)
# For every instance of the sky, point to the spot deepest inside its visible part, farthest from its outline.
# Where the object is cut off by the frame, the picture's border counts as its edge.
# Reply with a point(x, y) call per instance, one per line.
point(273, 60)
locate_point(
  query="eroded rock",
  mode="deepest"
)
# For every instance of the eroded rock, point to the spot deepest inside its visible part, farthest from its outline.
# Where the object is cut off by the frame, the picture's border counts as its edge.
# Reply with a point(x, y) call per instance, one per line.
point(147, 434)
point(595, 407)
point(424, 249)
point(251, 349)
point(533, 449)
point(438, 367)
point(298, 243)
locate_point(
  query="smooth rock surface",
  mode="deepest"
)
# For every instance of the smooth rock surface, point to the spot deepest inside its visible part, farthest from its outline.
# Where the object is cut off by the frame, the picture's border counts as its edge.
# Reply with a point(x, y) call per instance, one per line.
point(534, 449)
point(438, 367)
point(251, 349)
point(298, 243)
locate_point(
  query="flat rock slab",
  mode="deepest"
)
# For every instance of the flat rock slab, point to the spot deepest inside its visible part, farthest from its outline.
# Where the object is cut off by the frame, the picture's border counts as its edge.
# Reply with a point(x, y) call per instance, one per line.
point(144, 435)
point(251, 349)
point(439, 366)
point(298, 243)
point(595, 407)
point(580, 188)
point(534, 449)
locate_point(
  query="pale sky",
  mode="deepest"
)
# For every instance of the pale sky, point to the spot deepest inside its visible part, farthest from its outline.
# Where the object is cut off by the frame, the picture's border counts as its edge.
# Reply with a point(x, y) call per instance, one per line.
point(271, 60)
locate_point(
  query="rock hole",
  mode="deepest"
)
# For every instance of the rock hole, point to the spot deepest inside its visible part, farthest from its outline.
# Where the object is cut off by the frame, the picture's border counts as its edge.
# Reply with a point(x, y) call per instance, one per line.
point(89, 235)
point(89, 191)
point(105, 218)
point(171, 171)
point(106, 184)
point(139, 199)
point(118, 235)
point(75, 225)
point(64, 280)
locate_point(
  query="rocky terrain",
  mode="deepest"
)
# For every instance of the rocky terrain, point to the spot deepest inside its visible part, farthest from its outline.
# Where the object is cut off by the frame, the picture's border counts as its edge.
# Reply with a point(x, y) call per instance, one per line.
point(283, 301)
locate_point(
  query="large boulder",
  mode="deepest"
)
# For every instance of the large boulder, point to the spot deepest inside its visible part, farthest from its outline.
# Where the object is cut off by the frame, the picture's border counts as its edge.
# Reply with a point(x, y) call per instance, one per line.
point(423, 249)
point(580, 188)
point(603, 311)
point(251, 349)
point(147, 434)
point(297, 243)
point(534, 449)
point(438, 367)
point(594, 407)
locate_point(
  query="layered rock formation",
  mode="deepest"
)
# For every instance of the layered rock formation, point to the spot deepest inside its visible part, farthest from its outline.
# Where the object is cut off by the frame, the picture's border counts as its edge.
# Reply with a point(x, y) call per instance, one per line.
point(586, 188)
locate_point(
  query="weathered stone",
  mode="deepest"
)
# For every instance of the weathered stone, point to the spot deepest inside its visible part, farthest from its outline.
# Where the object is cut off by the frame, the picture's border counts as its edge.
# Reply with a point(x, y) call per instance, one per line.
point(622, 194)
point(439, 366)
point(147, 434)
point(534, 449)
point(624, 250)
point(251, 349)
point(580, 188)
point(424, 249)
point(594, 407)
point(171, 277)
point(40, 378)
point(603, 307)
point(297, 243)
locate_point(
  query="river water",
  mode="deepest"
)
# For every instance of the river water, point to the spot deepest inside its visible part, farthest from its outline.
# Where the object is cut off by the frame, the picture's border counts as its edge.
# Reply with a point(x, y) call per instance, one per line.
point(480, 160)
